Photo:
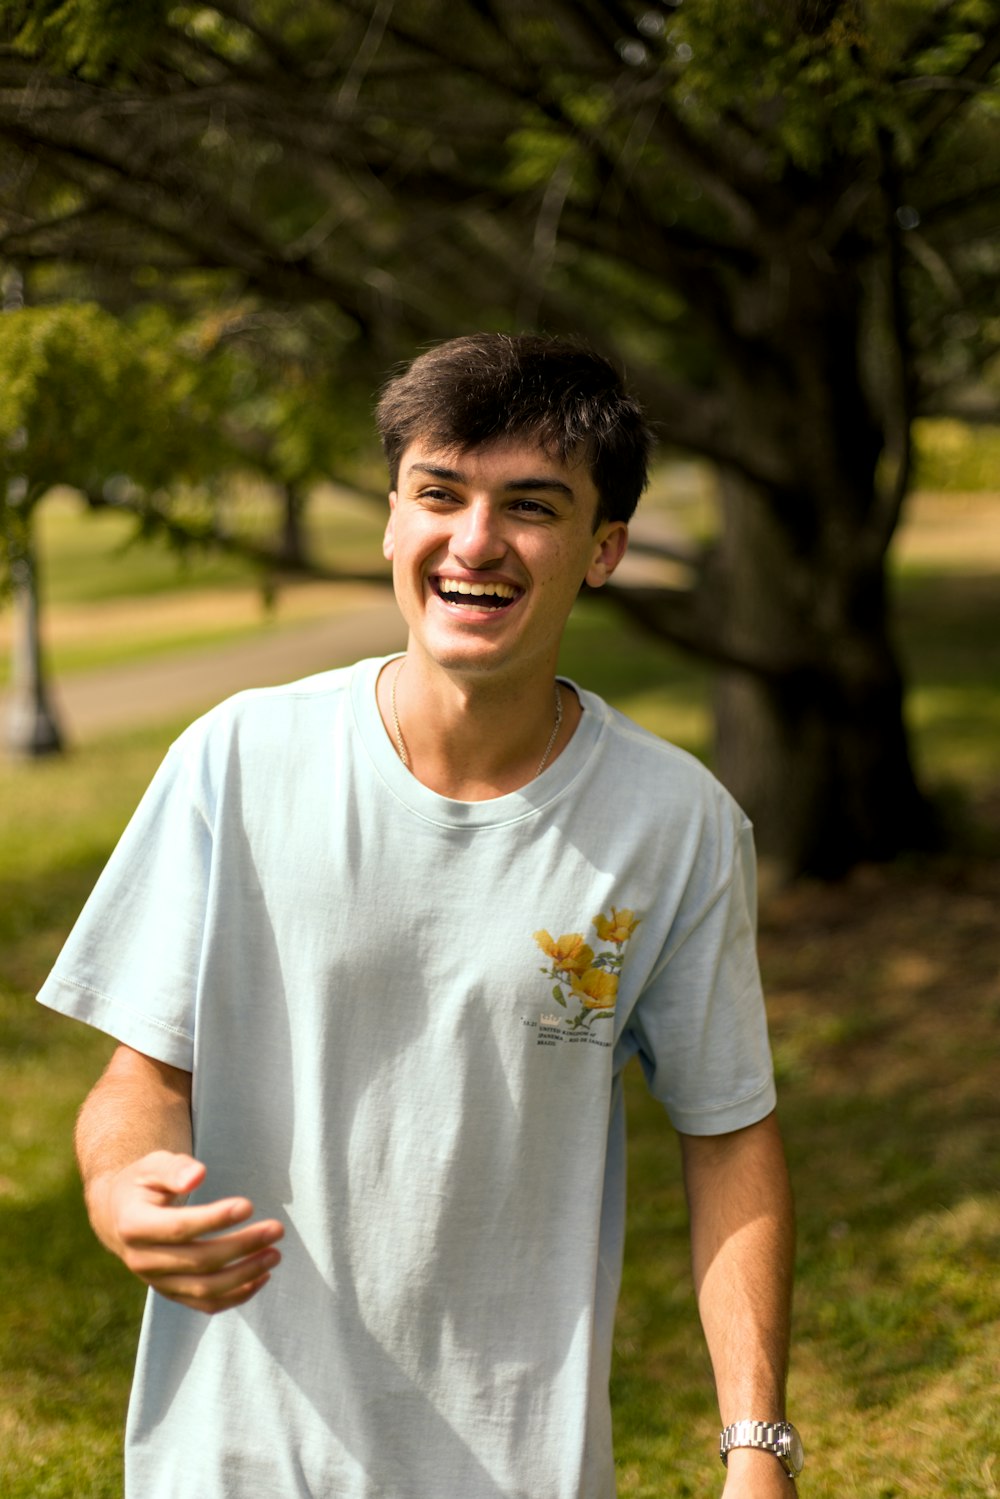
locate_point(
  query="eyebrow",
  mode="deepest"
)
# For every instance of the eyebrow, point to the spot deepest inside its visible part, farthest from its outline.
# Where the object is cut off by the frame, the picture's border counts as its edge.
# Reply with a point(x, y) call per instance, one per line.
point(520, 486)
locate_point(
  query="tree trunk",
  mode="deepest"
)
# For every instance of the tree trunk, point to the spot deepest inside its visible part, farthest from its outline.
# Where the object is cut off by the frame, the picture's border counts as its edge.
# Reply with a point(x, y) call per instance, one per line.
point(813, 746)
point(32, 726)
point(292, 545)
point(810, 733)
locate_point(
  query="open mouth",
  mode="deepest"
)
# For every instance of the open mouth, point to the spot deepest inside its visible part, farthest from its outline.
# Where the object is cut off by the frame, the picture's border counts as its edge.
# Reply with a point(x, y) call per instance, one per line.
point(462, 595)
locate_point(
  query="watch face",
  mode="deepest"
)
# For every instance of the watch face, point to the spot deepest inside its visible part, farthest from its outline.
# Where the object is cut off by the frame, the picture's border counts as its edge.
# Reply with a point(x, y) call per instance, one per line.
point(793, 1450)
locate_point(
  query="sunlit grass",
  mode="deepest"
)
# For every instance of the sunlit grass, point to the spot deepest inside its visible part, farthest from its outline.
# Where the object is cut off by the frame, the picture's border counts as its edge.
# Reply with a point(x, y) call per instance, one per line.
point(651, 681)
point(92, 556)
point(957, 729)
point(949, 631)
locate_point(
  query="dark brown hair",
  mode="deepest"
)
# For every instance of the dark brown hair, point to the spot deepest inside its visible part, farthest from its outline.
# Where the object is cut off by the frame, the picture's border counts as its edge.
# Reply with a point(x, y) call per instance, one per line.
point(488, 387)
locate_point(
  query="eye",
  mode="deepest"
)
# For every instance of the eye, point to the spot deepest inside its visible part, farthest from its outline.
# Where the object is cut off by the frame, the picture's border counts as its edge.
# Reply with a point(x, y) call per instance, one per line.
point(533, 507)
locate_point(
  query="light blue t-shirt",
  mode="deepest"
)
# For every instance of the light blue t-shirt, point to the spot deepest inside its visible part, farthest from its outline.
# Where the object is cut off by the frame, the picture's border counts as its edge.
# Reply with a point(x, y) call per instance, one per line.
point(407, 1019)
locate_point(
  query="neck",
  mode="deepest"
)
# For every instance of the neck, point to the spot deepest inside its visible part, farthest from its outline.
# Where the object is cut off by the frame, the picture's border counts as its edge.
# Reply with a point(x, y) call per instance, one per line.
point(474, 738)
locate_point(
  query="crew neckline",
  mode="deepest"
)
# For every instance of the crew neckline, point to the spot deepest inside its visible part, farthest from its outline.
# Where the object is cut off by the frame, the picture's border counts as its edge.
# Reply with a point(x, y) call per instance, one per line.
point(526, 801)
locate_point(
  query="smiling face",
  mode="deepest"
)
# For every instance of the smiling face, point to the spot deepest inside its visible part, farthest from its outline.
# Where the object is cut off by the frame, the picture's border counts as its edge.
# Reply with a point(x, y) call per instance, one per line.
point(489, 549)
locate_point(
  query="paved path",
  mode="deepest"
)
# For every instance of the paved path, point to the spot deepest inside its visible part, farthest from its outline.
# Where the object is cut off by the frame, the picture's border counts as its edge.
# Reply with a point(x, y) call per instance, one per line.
point(94, 702)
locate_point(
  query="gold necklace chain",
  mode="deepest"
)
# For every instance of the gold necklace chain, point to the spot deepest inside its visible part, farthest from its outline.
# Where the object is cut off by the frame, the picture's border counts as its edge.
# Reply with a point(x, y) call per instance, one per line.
point(401, 744)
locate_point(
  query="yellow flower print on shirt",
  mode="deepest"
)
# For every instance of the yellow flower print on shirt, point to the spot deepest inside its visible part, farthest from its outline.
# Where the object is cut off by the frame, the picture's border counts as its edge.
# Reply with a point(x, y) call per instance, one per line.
point(592, 977)
point(618, 927)
point(569, 953)
point(596, 989)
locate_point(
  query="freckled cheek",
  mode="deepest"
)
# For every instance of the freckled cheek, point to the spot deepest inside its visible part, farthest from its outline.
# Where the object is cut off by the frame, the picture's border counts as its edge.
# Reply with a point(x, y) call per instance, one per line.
point(564, 574)
point(558, 566)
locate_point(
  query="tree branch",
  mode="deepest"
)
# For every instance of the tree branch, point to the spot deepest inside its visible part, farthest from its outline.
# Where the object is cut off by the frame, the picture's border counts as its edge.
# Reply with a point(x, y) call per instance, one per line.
point(682, 617)
point(183, 535)
point(897, 416)
point(943, 106)
point(531, 85)
point(213, 236)
point(270, 41)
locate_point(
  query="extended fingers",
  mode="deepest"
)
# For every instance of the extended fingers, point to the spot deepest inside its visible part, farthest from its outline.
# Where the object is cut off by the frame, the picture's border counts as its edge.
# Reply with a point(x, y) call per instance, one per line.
point(218, 1290)
point(223, 1303)
point(172, 1251)
point(147, 1219)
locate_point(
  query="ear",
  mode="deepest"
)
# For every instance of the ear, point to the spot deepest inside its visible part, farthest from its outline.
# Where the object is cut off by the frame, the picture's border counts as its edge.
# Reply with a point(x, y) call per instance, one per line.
point(609, 549)
point(388, 539)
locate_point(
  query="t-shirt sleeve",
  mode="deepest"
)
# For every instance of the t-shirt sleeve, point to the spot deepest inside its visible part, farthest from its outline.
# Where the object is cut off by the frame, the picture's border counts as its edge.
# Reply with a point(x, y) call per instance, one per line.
point(700, 1024)
point(130, 965)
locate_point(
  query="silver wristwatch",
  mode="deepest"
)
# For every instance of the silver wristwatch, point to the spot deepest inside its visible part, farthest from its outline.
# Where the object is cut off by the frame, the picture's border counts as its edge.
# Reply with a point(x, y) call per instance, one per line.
point(779, 1437)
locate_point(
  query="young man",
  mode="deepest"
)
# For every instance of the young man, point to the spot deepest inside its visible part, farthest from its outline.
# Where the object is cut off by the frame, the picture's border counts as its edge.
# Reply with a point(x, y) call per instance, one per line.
point(377, 946)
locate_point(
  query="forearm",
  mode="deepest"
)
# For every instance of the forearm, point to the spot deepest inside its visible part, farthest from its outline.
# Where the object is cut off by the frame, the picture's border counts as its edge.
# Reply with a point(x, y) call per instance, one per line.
point(137, 1107)
point(742, 1239)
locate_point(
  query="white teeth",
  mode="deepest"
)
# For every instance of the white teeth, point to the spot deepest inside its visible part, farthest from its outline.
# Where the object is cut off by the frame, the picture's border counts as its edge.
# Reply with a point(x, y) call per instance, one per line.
point(477, 590)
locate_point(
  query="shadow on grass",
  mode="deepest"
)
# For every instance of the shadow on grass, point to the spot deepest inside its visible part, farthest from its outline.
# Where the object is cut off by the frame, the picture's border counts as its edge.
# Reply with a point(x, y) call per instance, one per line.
point(36, 913)
point(72, 1311)
point(68, 1326)
point(885, 996)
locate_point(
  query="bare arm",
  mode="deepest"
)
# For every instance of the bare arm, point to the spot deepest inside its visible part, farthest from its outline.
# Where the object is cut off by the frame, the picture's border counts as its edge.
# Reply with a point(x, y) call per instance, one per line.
point(742, 1243)
point(133, 1143)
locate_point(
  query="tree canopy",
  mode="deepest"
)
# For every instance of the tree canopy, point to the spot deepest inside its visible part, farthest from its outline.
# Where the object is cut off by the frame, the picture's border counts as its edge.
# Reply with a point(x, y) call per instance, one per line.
point(780, 214)
point(83, 398)
point(407, 168)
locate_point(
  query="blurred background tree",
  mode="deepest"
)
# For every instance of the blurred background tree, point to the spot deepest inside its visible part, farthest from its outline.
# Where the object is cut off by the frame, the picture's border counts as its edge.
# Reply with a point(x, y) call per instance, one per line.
point(781, 215)
point(155, 417)
point(118, 413)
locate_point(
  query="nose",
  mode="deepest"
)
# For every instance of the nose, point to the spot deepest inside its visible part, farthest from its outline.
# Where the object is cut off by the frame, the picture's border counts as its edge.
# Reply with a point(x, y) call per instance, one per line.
point(476, 541)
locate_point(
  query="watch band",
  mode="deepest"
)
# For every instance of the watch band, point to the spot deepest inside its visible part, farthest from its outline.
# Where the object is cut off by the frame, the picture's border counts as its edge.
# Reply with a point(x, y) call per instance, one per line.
point(777, 1437)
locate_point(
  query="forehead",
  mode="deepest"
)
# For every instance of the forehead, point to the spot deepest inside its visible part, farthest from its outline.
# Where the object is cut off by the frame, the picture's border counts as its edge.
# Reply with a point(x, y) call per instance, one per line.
point(505, 462)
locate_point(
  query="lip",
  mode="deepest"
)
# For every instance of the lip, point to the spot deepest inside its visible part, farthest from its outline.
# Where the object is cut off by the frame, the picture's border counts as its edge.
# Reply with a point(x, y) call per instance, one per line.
point(464, 583)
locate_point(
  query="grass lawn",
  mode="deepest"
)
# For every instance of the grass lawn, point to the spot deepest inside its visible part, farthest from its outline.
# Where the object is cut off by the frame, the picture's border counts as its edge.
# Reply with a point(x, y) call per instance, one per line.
point(885, 999)
point(67, 1317)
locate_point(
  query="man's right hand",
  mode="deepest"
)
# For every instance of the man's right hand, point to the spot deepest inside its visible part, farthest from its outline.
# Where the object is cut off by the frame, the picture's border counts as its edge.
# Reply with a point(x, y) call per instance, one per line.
point(192, 1255)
